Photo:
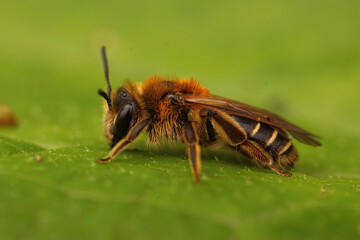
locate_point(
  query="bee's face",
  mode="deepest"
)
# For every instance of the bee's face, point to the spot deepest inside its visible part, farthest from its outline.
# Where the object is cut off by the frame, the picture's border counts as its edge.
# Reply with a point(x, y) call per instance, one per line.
point(119, 116)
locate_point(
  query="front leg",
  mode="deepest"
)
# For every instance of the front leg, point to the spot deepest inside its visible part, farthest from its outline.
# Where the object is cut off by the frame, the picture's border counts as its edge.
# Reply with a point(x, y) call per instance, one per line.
point(191, 139)
point(121, 146)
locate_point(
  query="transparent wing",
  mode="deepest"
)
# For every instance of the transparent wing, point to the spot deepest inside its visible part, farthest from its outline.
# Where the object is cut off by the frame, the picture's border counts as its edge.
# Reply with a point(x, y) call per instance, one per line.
point(243, 110)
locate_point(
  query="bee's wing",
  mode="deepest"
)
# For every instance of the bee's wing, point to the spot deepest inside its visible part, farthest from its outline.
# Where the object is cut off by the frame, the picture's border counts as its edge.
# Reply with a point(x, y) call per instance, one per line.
point(243, 110)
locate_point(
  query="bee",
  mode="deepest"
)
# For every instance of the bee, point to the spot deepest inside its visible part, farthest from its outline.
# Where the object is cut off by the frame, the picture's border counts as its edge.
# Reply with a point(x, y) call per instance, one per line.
point(183, 110)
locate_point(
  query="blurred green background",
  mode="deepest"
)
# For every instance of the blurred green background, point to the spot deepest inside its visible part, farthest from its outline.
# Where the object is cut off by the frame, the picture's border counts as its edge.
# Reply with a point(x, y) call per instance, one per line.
point(299, 59)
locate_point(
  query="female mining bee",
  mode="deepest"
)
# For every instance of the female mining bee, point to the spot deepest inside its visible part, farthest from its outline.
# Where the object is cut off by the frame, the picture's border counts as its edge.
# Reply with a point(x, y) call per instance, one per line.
point(183, 110)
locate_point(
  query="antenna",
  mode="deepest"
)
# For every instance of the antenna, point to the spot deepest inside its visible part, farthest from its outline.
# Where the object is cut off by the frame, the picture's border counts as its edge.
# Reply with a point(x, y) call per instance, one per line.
point(106, 70)
point(105, 96)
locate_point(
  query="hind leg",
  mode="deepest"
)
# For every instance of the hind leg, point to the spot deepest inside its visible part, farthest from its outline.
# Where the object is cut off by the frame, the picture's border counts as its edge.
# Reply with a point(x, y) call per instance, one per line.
point(282, 173)
point(254, 151)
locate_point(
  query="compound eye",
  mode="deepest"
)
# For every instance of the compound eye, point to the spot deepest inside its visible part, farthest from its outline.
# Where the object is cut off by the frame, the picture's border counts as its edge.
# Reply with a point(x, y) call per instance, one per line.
point(122, 123)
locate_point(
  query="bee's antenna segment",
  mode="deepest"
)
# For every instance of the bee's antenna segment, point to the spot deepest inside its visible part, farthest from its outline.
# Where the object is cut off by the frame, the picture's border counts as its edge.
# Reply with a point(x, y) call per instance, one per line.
point(106, 69)
point(105, 96)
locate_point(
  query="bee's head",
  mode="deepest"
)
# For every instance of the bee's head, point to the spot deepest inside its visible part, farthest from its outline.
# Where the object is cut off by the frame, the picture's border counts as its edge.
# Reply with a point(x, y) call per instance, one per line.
point(120, 109)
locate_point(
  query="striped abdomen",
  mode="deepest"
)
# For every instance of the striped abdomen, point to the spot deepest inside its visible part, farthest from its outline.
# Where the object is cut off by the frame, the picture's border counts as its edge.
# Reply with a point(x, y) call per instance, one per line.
point(272, 142)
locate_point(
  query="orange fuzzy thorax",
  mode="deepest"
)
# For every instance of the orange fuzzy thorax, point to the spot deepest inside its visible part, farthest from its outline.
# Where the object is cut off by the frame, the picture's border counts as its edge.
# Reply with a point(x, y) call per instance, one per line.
point(150, 96)
point(158, 86)
point(150, 93)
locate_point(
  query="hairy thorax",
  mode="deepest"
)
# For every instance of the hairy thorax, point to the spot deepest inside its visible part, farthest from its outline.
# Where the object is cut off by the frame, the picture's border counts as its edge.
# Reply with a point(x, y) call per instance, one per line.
point(167, 119)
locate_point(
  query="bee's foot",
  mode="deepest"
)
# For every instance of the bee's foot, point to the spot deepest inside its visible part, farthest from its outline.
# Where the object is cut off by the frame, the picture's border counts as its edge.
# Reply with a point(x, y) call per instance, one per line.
point(282, 173)
point(286, 174)
point(104, 160)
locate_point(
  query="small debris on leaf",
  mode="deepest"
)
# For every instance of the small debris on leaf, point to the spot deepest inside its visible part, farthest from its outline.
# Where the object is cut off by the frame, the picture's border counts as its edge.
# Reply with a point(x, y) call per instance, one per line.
point(38, 158)
point(7, 117)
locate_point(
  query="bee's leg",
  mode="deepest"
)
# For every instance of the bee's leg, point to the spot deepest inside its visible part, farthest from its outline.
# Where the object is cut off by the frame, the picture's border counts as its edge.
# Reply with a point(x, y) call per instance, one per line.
point(191, 139)
point(254, 151)
point(282, 173)
point(225, 126)
point(120, 146)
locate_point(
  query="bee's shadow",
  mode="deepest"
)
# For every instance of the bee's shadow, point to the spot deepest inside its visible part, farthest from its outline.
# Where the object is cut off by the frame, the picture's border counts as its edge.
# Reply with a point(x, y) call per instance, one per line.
point(223, 155)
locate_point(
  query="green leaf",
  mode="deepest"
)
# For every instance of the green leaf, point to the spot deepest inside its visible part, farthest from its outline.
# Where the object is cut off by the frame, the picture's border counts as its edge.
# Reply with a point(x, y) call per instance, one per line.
point(151, 195)
point(9, 146)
